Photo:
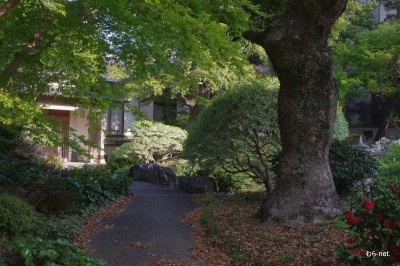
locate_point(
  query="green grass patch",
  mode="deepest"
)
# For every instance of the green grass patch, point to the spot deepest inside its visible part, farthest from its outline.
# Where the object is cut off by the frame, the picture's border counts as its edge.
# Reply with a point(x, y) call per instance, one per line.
point(337, 223)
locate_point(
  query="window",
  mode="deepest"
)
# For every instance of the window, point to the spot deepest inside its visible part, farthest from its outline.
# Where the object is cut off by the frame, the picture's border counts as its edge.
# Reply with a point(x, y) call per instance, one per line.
point(116, 119)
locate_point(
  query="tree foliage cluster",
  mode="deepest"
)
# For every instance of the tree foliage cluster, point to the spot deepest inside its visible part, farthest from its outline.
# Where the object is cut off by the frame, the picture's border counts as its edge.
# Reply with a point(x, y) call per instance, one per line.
point(367, 61)
point(64, 48)
point(152, 142)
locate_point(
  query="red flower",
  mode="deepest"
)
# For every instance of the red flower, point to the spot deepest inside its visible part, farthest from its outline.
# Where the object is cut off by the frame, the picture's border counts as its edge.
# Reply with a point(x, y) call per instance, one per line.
point(363, 199)
point(349, 241)
point(380, 217)
point(393, 224)
point(386, 224)
point(362, 253)
point(369, 205)
point(351, 219)
point(394, 249)
point(392, 189)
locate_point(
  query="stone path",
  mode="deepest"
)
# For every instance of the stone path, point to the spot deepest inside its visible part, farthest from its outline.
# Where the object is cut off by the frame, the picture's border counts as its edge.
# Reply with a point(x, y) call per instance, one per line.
point(148, 229)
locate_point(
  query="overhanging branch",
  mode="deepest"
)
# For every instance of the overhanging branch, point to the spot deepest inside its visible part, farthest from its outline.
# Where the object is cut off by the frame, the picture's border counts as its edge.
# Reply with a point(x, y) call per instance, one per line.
point(7, 6)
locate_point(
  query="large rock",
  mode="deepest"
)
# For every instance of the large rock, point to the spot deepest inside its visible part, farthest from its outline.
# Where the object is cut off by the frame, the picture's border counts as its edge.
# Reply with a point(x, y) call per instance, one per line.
point(153, 173)
point(197, 184)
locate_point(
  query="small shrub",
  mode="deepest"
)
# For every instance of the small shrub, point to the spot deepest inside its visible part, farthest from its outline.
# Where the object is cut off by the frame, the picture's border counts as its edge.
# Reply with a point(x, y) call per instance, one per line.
point(228, 182)
point(16, 216)
point(51, 194)
point(115, 162)
point(60, 226)
point(183, 167)
point(225, 182)
point(38, 251)
point(349, 164)
point(375, 220)
point(123, 171)
point(96, 186)
point(390, 163)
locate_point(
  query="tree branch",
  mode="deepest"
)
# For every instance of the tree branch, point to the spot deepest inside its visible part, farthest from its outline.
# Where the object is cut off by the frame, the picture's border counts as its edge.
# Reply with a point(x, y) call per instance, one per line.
point(256, 37)
point(19, 56)
point(191, 102)
point(8, 6)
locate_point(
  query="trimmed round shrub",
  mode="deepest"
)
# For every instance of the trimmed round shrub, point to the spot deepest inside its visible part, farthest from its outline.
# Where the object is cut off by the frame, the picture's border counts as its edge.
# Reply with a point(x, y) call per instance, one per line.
point(16, 215)
point(349, 164)
point(238, 133)
point(153, 142)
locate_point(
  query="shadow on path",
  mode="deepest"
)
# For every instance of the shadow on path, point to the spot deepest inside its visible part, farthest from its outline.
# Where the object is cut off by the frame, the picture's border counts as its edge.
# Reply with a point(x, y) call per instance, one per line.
point(148, 229)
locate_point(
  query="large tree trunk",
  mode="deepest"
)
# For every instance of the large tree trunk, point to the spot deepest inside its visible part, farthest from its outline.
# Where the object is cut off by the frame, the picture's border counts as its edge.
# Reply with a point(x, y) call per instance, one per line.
point(297, 46)
point(194, 111)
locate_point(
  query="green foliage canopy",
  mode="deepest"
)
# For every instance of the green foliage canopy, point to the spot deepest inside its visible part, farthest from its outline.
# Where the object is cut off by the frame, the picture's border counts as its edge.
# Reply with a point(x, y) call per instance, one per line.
point(157, 44)
point(372, 62)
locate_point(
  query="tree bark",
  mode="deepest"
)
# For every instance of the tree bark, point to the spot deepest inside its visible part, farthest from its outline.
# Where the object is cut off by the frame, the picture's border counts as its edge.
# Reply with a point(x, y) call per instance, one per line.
point(194, 108)
point(382, 129)
point(7, 6)
point(297, 46)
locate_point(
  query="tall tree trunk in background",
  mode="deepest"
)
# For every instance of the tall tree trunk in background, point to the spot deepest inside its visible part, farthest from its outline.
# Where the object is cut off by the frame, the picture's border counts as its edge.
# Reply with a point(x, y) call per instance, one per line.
point(297, 46)
point(384, 124)
point(194, 108)
point(194, 111)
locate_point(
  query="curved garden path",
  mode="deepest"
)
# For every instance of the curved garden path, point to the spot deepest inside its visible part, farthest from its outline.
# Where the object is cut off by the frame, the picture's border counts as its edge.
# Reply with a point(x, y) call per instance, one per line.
point(150, 228)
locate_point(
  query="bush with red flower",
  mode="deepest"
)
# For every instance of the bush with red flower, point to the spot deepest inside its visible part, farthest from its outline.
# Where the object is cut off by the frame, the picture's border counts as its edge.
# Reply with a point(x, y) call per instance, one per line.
point(374, 220)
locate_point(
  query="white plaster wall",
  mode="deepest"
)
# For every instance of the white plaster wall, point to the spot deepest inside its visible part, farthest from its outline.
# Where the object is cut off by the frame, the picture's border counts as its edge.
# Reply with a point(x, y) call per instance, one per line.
point(129, 117)
point(79, 123)
point(383, 12)
point(148, 109)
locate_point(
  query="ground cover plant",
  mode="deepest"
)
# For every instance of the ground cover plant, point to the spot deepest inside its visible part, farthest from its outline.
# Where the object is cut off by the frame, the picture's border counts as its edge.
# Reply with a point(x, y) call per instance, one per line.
point(228, 234)
point(43, 207)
